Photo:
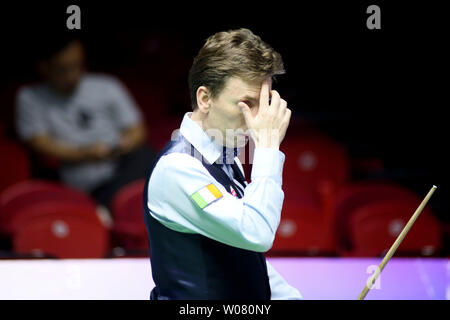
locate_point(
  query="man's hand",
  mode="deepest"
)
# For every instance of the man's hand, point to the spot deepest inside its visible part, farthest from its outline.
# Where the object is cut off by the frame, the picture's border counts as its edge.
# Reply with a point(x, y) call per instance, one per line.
point(269, 126)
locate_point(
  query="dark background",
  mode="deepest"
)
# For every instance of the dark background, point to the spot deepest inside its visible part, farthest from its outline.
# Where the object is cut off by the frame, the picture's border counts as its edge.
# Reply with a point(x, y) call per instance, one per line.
point(382, 93)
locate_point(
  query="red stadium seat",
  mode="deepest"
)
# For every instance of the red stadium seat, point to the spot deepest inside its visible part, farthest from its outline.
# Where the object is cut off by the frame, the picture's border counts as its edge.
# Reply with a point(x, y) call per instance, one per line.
point(62, 230)
point(355, 195)
point(374, 228)
point(161, 131)
point(14, 163)
point(28, 193)
point(151, 102)
point(315, 167)
point(129, 228)
point(312, 158)
point(307, 224)
point(303, 230)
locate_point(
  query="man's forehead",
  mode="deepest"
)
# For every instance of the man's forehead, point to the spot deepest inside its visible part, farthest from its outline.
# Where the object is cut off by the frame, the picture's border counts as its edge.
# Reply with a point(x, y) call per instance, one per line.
point(241, 88)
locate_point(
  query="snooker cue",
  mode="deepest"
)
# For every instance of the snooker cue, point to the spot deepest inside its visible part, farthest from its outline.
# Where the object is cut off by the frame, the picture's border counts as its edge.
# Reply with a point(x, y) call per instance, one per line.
point(396, 244)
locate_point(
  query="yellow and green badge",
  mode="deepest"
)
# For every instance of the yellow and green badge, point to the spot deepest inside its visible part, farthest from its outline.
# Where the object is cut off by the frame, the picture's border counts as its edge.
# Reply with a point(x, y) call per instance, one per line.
point(206, 195)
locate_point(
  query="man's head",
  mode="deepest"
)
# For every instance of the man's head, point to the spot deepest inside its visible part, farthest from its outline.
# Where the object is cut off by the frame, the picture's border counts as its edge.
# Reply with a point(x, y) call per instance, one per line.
point(62, 64)
point(229, 69)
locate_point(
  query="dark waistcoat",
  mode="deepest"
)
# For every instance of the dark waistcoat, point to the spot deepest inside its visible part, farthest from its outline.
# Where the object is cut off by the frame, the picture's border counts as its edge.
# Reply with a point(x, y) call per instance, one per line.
point(192, 266)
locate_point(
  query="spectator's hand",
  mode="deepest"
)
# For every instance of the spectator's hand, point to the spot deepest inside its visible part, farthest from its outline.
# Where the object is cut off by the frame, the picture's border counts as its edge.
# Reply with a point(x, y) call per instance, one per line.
point(268, 127)
point(126, 144)
point(98, 151)
point(131, 138)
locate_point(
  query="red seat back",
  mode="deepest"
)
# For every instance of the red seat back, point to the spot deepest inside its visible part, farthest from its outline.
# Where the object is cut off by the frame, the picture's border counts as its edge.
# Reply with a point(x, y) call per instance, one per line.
point(312, 158)
point(375, 227)
point(161, 131)
point(14, 163)
point(356, 195)
point(301, 230)
point(28, 193)
point(315, 167)
point(127, 210)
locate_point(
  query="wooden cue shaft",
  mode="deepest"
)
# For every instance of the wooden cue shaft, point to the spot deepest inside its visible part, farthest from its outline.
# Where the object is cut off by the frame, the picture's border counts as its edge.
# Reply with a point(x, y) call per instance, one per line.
point(396, 244)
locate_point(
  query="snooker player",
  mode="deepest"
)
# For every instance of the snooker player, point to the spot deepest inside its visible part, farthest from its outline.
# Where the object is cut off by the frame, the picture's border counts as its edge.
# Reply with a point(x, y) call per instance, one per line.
point(208, 229)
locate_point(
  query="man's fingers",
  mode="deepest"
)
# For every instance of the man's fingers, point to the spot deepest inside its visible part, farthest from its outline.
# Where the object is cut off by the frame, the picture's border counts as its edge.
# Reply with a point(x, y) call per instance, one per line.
point(264, 95)
point(275, 101)
point(246, 111)
point(287, 116)
point(285, 125)
point(282, 108)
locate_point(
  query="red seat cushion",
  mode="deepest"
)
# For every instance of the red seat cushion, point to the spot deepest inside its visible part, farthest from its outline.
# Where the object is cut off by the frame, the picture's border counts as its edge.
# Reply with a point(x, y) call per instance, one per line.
point(60, 230)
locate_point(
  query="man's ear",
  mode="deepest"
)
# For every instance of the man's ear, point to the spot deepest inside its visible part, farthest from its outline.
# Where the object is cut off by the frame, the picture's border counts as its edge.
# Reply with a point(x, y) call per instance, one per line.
point(203, 99)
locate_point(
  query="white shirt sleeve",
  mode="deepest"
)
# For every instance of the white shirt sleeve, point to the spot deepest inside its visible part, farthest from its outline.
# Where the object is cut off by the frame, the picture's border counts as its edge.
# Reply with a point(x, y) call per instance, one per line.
point(249, 223)
point(280, 289)
point(124, 109)
point(30, 119)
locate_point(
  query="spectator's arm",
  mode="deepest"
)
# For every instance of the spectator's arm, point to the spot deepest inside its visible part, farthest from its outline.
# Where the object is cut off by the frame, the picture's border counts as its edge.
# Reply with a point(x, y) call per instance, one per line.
point(127, 116)
point(132, 137)
point(45, 145)
point(125, 111)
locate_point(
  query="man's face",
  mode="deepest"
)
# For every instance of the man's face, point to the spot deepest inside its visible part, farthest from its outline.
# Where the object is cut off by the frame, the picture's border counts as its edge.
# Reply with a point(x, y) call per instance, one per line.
point(65, 68)
point(226, 118)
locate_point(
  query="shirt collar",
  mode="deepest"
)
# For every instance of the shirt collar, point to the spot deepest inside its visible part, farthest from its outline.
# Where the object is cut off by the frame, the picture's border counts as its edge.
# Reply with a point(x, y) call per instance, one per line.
point(208, 148)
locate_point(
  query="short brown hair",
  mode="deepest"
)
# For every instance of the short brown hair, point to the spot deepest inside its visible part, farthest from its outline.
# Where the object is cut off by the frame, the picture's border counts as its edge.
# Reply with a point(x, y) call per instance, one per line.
point(233, 53)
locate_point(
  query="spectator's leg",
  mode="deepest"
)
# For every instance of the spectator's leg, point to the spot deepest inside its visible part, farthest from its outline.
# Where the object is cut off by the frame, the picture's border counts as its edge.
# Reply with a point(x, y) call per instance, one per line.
point(132, 166)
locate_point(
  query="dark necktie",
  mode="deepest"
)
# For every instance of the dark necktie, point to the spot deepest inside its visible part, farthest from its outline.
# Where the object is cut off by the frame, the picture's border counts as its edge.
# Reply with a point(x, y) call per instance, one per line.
point(228, 155)
point(238, 178)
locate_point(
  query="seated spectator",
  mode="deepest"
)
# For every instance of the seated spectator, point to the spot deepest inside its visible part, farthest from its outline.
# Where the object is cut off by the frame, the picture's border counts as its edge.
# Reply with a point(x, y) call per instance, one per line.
point(89, 122)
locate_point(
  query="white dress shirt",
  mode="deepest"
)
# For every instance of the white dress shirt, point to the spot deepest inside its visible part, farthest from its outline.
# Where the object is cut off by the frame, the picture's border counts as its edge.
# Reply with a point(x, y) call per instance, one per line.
point(248, 223)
